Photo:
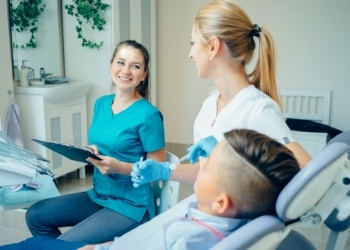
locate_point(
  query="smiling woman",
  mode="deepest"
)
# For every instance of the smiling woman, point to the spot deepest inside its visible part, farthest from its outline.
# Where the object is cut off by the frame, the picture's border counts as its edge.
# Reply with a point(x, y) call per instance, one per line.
point(125, 127)
point(129, 67)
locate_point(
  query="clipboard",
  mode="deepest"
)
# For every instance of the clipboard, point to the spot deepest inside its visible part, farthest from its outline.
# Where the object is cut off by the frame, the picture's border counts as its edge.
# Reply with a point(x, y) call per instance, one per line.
point(69, 151)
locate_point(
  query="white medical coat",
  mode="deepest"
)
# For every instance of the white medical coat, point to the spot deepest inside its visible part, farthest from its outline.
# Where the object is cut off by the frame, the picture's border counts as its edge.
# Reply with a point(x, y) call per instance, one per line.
point(250, 109)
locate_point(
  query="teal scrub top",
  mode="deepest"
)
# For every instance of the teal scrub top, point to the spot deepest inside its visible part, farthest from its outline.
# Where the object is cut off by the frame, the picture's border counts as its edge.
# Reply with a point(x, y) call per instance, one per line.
point(126, 136)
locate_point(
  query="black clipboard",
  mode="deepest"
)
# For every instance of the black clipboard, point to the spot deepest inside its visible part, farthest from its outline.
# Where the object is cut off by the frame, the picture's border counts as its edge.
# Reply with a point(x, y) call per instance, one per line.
point(69, 151)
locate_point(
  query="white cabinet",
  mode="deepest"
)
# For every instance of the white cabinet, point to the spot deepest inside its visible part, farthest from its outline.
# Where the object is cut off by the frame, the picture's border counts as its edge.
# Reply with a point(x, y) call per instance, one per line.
point(312, 142)
point(60, 122)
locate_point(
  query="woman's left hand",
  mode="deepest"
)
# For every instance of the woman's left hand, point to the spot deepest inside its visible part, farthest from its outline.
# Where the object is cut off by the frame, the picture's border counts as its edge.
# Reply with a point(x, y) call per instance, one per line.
point(202, 148)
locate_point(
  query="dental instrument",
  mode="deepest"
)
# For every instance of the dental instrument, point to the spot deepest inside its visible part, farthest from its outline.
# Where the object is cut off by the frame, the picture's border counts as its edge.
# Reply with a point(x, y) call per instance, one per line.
point(182, 159)
point(140, 162)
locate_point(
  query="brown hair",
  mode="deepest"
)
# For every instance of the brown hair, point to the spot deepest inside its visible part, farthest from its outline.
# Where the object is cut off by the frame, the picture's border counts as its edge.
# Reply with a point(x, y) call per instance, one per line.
point(259, 169)
point(143, 87)
point(232, 25)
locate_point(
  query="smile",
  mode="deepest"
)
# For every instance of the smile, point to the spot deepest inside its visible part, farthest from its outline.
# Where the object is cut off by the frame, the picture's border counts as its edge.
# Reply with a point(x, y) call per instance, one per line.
point(124, 78)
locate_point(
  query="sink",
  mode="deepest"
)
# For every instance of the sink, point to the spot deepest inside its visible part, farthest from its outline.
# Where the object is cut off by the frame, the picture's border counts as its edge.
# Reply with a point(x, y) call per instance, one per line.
point(56, 93)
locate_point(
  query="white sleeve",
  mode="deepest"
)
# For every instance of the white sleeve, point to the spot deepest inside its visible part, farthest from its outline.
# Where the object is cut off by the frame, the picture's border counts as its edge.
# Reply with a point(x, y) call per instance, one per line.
point(267, 119)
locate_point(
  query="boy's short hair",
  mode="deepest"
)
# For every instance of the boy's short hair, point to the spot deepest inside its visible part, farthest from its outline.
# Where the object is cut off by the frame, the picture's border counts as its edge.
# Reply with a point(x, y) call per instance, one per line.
point(257, 170)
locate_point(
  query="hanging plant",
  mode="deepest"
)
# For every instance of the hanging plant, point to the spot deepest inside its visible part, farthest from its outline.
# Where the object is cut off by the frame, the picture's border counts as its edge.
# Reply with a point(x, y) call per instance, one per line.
point(92, 12)
point(24, 17)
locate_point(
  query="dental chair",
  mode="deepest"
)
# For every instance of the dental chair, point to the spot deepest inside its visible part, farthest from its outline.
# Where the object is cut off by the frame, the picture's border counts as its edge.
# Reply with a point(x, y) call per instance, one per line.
point(342, 137)
point(319, 193)
point(338, 235)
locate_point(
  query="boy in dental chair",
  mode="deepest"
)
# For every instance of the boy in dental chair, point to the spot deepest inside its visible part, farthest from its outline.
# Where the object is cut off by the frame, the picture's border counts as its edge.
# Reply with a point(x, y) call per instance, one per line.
point(241, 180)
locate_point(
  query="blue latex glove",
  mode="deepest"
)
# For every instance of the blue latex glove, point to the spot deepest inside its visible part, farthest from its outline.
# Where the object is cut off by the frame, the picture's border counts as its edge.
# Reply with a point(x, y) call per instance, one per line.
point(202, 148)
point(148, 171)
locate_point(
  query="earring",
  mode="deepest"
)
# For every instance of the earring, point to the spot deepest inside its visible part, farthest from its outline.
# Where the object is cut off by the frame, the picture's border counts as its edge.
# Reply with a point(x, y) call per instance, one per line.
point(211, 58)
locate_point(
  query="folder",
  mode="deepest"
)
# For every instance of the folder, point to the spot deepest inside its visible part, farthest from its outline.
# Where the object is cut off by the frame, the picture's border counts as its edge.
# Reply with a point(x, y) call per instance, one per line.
point(69, 151)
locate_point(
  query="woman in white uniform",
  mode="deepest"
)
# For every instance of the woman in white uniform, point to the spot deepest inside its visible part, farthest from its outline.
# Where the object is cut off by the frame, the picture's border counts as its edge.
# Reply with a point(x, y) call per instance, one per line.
point(223, 42)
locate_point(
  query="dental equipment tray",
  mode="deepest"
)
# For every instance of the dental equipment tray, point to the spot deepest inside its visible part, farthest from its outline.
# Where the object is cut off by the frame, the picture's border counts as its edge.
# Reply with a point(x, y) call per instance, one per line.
point(69, 151)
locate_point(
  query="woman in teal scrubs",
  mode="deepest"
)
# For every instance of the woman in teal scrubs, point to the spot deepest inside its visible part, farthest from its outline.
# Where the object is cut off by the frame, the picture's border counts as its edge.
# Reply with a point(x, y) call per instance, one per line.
point(125, 128)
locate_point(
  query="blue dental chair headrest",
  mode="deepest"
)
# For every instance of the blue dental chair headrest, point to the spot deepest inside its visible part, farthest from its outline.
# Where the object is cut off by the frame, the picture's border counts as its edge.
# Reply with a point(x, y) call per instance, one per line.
point(344, 138)
point(332, 221)
point(305, 190)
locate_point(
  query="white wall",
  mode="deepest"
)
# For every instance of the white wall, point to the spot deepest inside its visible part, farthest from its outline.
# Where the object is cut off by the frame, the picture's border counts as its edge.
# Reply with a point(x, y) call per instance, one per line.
point(88, 65)
point(311, 39)
point(91, 65)
point(5, 65)
point(179, 91)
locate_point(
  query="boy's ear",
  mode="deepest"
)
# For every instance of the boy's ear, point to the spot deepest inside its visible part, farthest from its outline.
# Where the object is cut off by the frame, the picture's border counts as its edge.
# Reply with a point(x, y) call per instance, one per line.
point(222, 204)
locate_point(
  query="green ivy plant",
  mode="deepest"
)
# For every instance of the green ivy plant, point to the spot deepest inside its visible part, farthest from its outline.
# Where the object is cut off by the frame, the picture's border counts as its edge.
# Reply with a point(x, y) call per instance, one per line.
point(24, 17)
point(92, 12)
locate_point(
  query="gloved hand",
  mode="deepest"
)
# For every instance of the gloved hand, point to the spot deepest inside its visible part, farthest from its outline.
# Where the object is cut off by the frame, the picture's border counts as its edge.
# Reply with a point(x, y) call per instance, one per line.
point(149, 170)
point(201, 148)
